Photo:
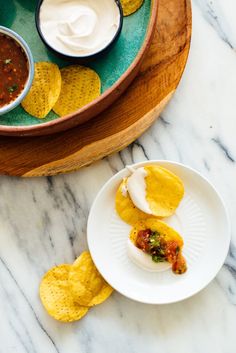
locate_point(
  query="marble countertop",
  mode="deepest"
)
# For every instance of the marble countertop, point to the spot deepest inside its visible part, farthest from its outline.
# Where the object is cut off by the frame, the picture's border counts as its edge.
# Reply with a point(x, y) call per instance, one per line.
point(43, 220)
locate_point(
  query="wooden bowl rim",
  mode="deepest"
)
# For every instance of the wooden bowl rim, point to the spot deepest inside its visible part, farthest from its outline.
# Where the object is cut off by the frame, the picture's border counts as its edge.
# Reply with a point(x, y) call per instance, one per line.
point(15, 130)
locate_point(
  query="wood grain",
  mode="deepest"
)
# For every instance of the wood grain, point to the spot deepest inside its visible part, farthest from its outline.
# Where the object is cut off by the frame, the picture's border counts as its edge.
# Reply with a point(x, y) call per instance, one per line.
point(120, 124)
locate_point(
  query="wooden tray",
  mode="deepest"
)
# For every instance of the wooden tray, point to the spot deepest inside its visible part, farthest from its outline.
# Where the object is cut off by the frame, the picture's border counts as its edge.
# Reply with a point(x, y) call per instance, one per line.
point(122, 123)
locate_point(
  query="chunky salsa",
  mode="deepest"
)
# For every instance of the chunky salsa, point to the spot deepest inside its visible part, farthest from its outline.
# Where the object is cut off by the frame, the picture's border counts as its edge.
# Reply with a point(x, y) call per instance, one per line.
point(152, 243)
point(13, 69)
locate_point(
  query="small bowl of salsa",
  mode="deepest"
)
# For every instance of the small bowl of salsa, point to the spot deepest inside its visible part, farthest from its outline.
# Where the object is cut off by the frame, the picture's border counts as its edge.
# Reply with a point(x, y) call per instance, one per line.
point(16, 69)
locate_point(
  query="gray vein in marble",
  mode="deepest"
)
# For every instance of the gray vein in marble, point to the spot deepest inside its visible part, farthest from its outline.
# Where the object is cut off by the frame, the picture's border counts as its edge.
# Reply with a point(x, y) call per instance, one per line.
point(19, 237)
point(115, 163)
point(211, 10)
point(29, 305)
point(231, 259)
point(206, 165)
point(18, 335)
point(139, 146)
point(223, 148)
point(153, 143)
point(164, 121)
point(126, 156)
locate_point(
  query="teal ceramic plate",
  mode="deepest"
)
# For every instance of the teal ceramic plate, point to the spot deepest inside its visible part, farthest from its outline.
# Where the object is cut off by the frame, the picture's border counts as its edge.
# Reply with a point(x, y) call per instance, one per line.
point(116, 69)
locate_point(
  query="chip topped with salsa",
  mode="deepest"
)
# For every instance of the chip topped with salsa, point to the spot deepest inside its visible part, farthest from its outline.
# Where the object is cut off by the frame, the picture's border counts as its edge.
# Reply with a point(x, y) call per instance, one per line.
point(161, 242)
point(14, 70)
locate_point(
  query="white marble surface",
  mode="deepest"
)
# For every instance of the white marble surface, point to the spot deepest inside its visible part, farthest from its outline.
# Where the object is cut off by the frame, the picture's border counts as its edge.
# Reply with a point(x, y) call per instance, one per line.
point(43, 221)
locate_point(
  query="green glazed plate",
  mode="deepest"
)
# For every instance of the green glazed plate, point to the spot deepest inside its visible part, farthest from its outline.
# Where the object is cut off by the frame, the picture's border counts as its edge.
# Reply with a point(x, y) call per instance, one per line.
point(19, 16)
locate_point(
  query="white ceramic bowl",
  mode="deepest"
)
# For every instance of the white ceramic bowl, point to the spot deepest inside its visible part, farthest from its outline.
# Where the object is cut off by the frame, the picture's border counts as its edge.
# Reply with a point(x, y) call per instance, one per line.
point(8, 32)
point(201, 219)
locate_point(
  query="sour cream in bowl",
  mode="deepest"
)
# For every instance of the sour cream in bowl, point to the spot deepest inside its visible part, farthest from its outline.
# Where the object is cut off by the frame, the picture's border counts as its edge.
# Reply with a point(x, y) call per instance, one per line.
point(79, 30)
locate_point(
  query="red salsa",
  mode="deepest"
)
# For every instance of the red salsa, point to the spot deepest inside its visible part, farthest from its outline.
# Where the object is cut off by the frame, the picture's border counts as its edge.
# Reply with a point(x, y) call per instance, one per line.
point(13, 69)
point(152, 243)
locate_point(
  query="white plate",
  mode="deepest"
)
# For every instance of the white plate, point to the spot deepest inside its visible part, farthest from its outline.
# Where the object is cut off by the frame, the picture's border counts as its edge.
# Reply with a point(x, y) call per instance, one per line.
point(201, 219)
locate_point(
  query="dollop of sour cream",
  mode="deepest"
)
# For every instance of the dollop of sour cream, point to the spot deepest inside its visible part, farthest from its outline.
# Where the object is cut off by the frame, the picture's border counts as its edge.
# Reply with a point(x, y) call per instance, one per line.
point(79, 27)
point(139, 258)
point(136, 186)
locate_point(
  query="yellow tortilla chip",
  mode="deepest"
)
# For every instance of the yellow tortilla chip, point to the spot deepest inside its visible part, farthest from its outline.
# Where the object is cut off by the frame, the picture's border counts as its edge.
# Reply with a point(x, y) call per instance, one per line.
point(130, 6)
point(56, 296)
point(167, 232)
point(44, 91)
point(164, 190)
point(125, 208)
point(87, 285)
point(80, 86)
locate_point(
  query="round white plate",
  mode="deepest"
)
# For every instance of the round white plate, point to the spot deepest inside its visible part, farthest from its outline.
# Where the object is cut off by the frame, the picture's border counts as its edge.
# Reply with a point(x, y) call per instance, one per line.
point(201, 219)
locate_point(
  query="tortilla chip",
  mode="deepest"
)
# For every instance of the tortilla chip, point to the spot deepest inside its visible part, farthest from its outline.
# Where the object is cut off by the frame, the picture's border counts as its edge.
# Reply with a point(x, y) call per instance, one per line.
point(56, 296)
point(87, 285)
point(167, 232)
point(130, 6)
point(125, 208)
point(44, 91)
point(164, 190)
point(80, 86)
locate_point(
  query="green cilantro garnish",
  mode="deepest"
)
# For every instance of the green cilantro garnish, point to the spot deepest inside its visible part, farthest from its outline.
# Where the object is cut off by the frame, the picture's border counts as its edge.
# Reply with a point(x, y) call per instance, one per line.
point(12, 88)
point(154, 240)
point(158, 258)
point(156, 250)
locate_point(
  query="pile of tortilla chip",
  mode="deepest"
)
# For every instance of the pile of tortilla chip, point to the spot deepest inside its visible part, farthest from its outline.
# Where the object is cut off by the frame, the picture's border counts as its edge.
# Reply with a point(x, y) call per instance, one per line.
point(62, 90)
point(68, 291)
